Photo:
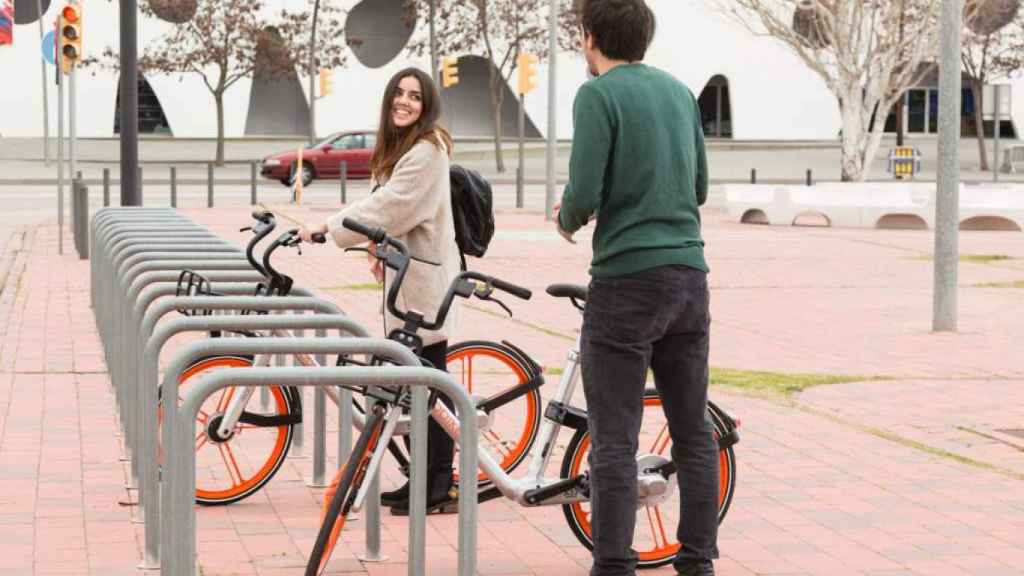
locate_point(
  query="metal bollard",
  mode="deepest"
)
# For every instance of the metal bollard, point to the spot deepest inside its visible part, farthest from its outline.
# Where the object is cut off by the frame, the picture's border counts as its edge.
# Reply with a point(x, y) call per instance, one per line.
point(174, 187)
point(808, 177)
point(252, 184)
point(81, 217)
point(209, 185)
point(343, 177)
point(753, 175)
point(106, 187)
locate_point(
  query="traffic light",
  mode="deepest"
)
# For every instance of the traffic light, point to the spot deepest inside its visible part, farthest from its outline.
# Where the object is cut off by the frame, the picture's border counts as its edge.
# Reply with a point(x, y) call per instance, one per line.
point(449, 72)
point(326, 82)
point(69, 39)
point(526, 64)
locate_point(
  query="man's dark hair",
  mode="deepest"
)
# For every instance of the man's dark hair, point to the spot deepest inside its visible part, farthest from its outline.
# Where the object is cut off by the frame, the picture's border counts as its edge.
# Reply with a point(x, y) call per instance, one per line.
point(621, 29)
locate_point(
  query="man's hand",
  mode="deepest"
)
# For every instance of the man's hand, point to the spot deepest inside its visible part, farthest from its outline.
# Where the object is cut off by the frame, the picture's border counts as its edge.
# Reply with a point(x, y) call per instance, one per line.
point(558, 224)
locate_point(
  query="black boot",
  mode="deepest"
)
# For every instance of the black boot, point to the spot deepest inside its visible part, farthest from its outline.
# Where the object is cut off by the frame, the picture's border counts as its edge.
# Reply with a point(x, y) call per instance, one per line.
point(395, 496)
point(440, 497)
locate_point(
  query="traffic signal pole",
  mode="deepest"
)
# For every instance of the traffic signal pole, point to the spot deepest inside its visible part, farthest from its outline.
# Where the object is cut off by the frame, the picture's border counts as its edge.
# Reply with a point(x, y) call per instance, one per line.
point(129, 104)
point(60, 159)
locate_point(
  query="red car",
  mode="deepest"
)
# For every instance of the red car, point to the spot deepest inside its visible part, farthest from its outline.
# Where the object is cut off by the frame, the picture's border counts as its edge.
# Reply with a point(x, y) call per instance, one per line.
point(324, 160)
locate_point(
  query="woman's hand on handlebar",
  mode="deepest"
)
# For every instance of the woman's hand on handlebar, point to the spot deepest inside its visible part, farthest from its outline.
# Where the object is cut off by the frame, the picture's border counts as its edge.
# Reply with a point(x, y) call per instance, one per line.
point(306, 234)
point(376, 264)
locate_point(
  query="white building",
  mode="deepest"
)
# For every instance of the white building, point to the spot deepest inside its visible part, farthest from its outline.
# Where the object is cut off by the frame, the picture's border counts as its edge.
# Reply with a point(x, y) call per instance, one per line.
point(750, 88)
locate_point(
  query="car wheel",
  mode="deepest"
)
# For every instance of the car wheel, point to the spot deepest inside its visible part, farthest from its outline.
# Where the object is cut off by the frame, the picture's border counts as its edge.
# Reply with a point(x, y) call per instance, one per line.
point(307, 174)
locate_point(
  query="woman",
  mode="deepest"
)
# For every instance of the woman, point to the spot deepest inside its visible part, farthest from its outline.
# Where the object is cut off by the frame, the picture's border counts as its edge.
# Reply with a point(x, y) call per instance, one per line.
point(412, 202)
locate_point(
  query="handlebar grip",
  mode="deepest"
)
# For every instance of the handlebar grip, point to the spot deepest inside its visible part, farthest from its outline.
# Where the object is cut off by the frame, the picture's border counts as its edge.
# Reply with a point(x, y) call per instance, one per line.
point(263, 216)
point(319, 238)
point(375, 234)
point(512, 289)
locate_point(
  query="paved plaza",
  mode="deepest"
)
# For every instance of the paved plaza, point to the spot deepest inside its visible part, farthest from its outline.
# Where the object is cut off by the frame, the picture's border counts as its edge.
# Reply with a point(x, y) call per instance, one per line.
point(913, 465)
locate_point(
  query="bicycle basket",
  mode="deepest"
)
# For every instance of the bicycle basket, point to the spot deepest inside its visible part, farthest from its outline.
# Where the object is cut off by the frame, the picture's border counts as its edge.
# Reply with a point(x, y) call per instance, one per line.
point(191, 283)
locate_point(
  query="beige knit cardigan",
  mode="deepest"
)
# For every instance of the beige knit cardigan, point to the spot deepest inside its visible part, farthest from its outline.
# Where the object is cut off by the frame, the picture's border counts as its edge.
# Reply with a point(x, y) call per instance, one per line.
point(414, 206)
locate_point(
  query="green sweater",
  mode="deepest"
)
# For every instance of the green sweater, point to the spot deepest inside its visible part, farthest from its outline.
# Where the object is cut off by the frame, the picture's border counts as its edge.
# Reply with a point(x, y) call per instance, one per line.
point(638, 164)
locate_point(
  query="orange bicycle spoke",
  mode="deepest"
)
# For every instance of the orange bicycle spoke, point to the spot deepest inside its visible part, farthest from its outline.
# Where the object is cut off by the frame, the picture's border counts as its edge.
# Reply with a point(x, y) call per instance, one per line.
point(661, 525)
point(201, 440)
point(229, 462)
point(667, 438)
point(225, 399)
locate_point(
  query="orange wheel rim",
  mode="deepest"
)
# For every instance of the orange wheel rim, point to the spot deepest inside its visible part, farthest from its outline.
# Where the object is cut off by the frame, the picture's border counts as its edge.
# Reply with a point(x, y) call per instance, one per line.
point(510, 457)
point(664, 546)
point(240, 482)
point(339, 522)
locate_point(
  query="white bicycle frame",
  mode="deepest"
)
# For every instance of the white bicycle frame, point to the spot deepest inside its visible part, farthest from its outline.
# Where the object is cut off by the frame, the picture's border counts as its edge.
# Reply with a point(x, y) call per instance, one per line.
point(649, 484)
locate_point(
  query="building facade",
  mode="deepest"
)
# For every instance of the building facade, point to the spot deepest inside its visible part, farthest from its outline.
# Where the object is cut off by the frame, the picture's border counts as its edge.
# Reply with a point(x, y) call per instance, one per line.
point(749, 87)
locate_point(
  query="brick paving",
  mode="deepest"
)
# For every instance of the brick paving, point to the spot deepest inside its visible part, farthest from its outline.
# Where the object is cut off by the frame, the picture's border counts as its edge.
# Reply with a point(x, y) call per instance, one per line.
point(914, 474)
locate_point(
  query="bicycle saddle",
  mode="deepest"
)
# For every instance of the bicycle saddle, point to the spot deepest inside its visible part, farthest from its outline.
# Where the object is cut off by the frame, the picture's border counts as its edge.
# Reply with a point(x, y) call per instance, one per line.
point(568, 291)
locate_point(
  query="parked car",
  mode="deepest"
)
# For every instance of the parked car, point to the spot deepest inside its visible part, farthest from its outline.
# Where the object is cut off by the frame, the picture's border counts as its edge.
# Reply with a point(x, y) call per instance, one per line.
point(323, 161)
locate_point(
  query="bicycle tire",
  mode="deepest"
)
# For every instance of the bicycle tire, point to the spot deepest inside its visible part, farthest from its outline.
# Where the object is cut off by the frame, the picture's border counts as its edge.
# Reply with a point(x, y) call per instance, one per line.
point(268, 454)
point(578, 518)
point(337, 504)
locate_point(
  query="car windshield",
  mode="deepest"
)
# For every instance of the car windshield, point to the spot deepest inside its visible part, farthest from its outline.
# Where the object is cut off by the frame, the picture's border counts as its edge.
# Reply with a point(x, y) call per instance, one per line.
point(326, 141)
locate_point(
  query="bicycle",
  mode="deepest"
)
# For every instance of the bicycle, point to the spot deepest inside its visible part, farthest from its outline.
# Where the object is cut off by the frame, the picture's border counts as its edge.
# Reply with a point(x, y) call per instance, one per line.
point(657, 473)
point(241, 445)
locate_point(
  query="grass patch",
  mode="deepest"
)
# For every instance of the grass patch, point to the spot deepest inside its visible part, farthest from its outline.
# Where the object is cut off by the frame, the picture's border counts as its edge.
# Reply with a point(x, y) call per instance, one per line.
point(779, 383)
point(368, 287)
point(972, 258)
point(984, 258)
point(1017, 284)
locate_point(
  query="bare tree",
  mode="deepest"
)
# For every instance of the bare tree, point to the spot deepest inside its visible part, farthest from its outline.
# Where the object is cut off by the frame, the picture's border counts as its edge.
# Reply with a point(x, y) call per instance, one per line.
point(861, 52)
point(499, 31)
point(228, 40)
point(987, 54)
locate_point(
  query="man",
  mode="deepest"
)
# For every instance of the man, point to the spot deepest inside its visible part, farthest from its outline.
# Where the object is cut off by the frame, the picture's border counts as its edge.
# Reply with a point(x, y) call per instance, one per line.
point(638, 164)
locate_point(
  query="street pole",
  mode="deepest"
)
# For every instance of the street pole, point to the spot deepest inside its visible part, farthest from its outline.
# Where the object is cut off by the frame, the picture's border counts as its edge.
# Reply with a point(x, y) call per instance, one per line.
point(947, 196)
point(60, 161)
point(46, 97)
point(129, 103)
point(312, 75)
point(549, 196)
point(520, 173)
point(995, 133)
point(72, 118)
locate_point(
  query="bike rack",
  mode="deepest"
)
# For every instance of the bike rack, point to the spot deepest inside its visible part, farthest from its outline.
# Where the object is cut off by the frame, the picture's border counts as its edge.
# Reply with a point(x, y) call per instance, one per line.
point(137, 257)
point(178, 529)
point(148, 371)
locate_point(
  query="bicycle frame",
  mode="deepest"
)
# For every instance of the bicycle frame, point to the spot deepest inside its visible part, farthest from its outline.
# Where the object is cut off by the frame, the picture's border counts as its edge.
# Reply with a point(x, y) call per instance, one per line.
point(559, 413)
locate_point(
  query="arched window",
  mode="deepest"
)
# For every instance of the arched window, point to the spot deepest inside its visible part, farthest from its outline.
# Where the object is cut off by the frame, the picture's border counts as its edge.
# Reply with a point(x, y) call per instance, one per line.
point(715, 108)
point(151, 114)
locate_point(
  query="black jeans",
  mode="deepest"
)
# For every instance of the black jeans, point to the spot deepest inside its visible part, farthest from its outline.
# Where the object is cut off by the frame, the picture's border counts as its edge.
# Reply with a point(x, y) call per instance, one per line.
point(657, 319)
point(440, 446)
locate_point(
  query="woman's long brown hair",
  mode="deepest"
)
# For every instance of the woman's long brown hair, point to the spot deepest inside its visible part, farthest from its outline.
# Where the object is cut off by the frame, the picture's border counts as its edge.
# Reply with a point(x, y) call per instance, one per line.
point(394, 142)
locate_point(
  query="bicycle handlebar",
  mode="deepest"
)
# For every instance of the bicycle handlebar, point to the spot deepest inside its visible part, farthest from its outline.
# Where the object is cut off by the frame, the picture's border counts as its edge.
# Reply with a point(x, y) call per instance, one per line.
point(399, 261)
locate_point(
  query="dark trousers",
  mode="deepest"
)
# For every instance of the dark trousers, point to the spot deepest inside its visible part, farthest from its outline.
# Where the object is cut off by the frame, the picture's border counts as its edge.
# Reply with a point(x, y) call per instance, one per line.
point(440, 446)
point(657, 319)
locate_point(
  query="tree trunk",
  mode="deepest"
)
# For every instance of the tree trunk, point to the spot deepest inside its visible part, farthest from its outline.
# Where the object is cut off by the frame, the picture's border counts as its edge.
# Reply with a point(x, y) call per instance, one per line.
point(219, 97)
point(979, 122)
point(854, 136)
point(497, 99)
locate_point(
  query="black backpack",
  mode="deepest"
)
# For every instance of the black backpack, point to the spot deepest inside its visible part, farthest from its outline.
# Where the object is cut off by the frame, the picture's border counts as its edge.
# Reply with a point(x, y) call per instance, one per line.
point(473, 210)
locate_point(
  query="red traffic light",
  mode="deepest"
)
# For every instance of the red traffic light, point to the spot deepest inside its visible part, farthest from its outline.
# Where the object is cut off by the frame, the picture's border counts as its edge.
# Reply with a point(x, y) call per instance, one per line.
point(70, 13)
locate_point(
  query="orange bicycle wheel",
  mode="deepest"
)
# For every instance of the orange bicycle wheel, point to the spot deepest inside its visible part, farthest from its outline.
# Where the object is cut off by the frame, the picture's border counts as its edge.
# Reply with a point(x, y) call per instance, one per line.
point(487, 370)
point(235, 467)
point(341, 494)
point(654, 535)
